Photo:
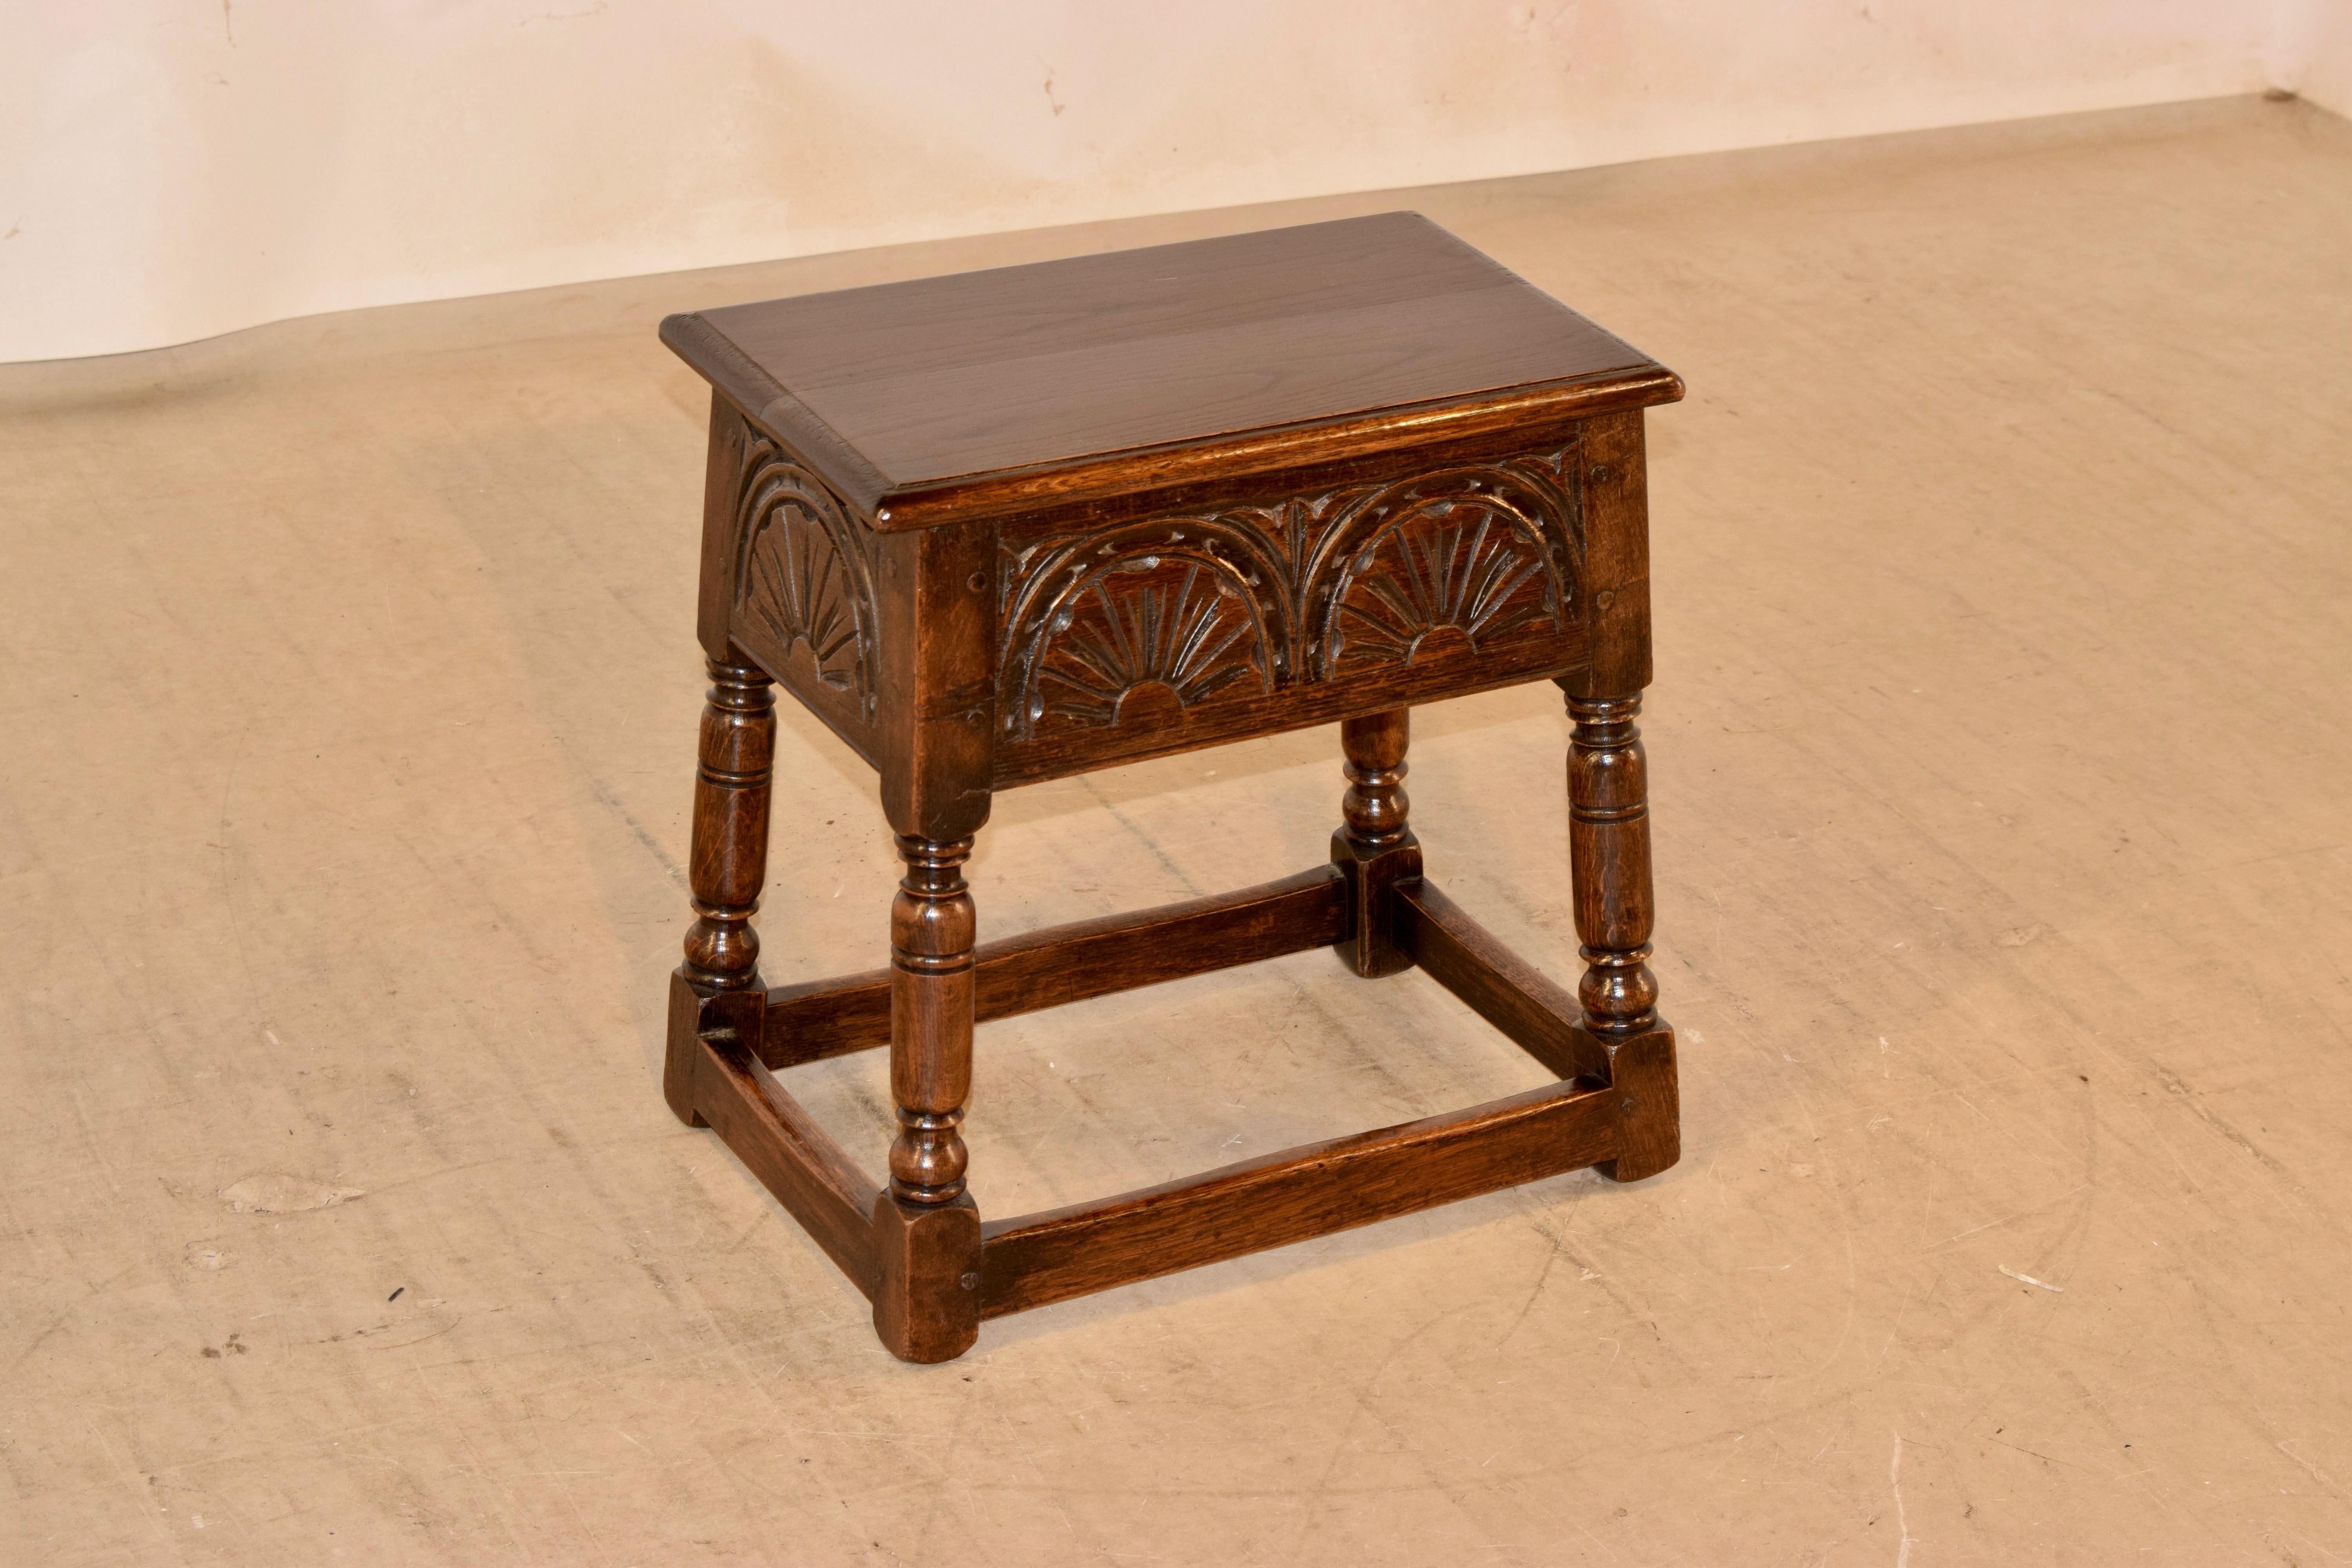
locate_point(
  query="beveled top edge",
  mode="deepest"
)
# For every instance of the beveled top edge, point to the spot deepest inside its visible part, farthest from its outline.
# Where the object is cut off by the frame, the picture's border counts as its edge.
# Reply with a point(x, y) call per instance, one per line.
point(734, 374)
point(1243, 453)
point(893, 509)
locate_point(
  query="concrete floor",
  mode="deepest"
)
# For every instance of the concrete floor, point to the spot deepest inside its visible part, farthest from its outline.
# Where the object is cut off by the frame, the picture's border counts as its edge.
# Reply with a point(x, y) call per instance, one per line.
point(2005, 617)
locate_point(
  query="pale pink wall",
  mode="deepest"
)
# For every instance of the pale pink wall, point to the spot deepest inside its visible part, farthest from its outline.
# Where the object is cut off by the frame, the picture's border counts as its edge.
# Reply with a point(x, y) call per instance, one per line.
point(173, 170)
point(2319, 54)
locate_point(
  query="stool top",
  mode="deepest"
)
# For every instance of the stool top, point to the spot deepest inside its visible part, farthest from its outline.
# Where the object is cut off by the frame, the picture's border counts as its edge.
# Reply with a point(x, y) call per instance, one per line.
point(981, 393)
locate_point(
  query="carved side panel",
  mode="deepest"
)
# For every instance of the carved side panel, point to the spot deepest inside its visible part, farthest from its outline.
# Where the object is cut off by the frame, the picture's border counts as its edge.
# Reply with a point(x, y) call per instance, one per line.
point(803, 578)
point(1169, 622)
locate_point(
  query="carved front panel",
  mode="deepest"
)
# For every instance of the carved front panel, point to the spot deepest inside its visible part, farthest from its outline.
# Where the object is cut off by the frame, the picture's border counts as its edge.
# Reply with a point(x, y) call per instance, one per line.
point(1149, 619)
point(802, 573)
point(1265, 614)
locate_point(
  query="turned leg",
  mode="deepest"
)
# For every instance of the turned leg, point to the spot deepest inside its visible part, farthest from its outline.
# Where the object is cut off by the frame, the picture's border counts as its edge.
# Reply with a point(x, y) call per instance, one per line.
point(727, 867)
point(1609, 861)
point(1375, 850)
point(1609, 865)
point(926, 1226)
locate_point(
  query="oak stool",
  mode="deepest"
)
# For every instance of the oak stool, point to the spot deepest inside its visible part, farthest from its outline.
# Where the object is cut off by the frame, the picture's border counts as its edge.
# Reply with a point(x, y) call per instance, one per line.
point(1017, 524)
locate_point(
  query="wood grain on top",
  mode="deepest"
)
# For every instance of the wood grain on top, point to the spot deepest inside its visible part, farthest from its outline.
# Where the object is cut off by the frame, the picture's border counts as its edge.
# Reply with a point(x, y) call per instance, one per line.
point(1062, 361)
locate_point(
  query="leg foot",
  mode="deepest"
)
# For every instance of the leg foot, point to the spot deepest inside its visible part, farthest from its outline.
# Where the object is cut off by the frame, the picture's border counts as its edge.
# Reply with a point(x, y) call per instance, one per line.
point(1649, 1105)
point(928, 1309)
point(683, 1053)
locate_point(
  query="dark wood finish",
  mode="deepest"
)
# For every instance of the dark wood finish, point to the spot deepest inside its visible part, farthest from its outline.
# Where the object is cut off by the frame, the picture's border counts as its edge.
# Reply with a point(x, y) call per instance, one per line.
point(1496, 983)
point(1299, 1192)
point(925, 1228)
point(1616, 566)
point(1071, 962)
point(1338, 592)
point(928, 1305)
point(824, 1188)
point(1167, 733)
point(931, 925)
point(715, 582)
point(789, 577)
point(690, 1012)
point(1609, 864)
point(938, 691)
point(1373, 847)
point(727, 866)
point(1649, 1107)
point(1012, 526)
point(1374, 808)
point(990, 393)
point(933, 1270)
